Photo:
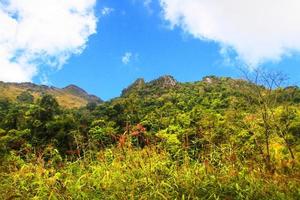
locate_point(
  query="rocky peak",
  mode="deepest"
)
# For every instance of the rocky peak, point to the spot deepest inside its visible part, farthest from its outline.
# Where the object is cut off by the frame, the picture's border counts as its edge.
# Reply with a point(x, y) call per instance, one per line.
point(137, 84)
point(162, 82)
point(210, 79)
point(75, 89)
point(166, 81)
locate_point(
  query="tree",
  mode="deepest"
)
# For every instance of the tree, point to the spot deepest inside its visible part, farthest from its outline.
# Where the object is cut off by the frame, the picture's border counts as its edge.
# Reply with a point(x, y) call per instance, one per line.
point(25, 97)
point(103, 132)
point(91, 106)
point(287, 122)
point(262, 95)
point(49, 107)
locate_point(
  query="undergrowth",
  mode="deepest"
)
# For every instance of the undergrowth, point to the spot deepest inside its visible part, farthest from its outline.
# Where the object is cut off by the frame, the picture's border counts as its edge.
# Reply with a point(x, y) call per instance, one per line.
point(146, 173)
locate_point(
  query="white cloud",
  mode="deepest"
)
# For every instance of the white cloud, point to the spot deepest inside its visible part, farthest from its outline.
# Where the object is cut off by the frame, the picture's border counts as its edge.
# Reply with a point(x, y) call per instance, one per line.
point(126, 58)
point(130, 57)
point(42, 32)
point(106, 11)
point(258, 30)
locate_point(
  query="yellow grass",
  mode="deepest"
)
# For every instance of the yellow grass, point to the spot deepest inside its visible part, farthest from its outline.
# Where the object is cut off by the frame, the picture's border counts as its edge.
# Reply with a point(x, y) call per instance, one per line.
point(64, 99)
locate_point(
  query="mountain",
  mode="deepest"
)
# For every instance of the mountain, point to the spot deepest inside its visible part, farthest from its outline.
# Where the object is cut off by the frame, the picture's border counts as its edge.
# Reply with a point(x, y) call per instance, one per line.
point(71, 96)
point(79, 92)
point(219, 131)
point(163, 100)
point(169, 85)
point(165, 82)
point(137, 84)
point(213, 92)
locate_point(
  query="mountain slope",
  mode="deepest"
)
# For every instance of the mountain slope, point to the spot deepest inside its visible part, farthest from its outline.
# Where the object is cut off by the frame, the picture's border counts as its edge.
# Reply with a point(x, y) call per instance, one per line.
point(221, 132)
point(69, 97)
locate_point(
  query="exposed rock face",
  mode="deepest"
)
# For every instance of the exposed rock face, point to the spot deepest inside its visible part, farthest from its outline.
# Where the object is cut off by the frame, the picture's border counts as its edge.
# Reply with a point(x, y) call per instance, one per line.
point(164, 81)
point(210, 79)
point(140, 82)
point(137, 84)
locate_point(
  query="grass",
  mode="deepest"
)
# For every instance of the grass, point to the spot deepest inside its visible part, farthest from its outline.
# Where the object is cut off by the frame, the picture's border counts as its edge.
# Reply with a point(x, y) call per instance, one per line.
point(138, 174)
point(64, 99)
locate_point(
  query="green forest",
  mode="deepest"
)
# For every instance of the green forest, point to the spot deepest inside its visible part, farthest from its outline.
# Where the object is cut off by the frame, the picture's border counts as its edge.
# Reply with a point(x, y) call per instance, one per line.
point(218, 138)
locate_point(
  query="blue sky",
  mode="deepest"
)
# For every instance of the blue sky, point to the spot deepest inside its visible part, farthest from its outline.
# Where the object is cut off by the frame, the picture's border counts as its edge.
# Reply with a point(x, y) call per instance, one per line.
point(156, 50)
point(143, 33)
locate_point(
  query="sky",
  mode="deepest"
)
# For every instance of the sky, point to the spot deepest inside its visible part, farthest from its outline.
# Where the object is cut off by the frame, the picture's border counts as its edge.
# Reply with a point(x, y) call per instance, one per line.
point(104, 45)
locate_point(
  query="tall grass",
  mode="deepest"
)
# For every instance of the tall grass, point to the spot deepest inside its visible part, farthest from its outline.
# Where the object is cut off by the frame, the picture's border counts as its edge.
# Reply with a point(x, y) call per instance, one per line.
point(139, 174)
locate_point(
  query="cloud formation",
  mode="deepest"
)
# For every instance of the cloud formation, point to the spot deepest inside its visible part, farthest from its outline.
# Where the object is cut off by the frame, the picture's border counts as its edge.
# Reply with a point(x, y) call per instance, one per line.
point(257, 30)
point(37, 33)
point(126, 58)
point(106, 11)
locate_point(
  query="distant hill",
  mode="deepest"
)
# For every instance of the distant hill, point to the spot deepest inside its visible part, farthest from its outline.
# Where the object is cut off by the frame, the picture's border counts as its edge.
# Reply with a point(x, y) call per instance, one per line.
point(71, 96)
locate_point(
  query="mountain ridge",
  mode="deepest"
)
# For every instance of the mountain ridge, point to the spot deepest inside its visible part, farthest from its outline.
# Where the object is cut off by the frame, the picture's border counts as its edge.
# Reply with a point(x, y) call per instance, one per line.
point(73, 96)
point(70, 96)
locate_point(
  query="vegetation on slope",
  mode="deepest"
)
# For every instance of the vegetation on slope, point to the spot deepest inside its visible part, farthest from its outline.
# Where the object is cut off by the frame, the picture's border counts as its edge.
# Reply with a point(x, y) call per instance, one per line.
point(69, 97)
point(218, 138)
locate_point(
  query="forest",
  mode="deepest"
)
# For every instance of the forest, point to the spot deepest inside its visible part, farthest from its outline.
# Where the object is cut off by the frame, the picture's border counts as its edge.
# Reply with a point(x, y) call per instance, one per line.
point(218, 138)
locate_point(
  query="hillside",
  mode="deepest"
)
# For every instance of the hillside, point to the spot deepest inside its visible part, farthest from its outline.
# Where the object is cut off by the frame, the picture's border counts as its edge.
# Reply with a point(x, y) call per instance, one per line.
point(69, 97)
point(217, 138)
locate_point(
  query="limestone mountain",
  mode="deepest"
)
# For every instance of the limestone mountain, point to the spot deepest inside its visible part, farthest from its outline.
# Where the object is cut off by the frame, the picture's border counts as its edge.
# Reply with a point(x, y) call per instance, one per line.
point(163, 82)
point(166, 81)
point(136, 85)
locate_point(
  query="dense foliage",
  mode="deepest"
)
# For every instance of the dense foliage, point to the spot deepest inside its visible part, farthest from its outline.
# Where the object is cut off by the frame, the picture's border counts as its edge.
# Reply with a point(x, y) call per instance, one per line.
point(218, 138)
